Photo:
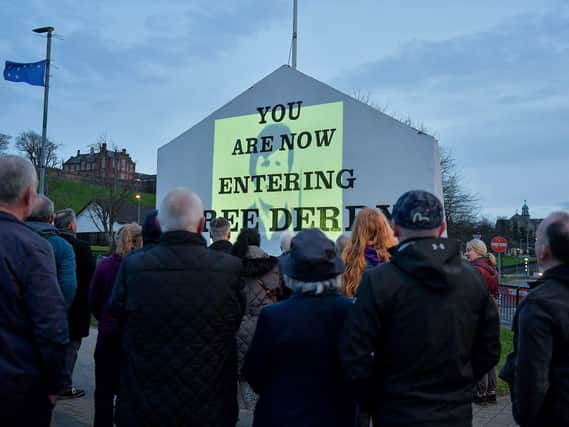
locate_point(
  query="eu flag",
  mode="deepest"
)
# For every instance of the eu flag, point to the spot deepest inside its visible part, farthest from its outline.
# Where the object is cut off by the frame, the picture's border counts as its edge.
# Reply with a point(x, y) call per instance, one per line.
point(33, 73)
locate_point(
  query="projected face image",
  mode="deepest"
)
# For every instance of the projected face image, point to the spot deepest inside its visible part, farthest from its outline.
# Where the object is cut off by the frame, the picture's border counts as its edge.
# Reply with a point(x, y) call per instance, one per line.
point(272, 168)
point(275, 162)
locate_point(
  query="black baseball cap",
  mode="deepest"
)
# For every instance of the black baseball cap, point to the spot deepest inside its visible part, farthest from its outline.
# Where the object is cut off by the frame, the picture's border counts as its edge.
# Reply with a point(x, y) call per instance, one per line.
point(418, 210)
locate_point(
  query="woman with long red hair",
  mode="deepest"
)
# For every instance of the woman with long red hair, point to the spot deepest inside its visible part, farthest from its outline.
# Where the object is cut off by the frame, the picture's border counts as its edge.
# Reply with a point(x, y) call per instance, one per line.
point(368, 247)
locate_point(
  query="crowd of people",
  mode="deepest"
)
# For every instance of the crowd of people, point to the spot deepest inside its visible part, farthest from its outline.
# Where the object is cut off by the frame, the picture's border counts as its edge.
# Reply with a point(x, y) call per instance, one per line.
point(390, 326)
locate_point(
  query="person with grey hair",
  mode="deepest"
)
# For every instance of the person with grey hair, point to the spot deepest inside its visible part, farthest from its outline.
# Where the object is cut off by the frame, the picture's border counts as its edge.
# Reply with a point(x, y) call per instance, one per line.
point(424, 327)
point(181, 308)
point(220, 233)
point(286, 239)
point(292, 362)
point(33, 323)
point(538, 370)
point(41, 221)
point(78, 316)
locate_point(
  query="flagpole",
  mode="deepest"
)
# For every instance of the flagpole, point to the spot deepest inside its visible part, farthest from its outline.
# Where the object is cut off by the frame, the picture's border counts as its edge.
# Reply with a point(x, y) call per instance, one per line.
point(43, 155)
point(294, 32)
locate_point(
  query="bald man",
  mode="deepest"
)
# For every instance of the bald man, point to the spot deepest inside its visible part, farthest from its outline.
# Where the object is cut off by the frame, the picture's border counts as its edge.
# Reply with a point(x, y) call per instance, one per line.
point(181, 304)
point(540, 389)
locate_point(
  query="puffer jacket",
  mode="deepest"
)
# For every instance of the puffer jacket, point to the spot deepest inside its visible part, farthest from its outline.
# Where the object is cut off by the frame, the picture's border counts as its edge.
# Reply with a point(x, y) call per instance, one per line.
point(181, 304)
point(489, 274)
point(261, 288)
point(422, 331)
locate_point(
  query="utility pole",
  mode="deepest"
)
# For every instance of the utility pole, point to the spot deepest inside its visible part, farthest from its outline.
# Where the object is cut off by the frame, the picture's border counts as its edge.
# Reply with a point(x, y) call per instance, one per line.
point(294, 33)
point(43, 156)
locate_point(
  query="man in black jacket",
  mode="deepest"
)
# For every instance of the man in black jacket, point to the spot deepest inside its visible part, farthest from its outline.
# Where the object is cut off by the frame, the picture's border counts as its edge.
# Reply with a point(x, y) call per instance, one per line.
point(423, 328)
point(182, 308)
point(33, 324)
point(78, 316)
point(540, 389)
point(220, 233)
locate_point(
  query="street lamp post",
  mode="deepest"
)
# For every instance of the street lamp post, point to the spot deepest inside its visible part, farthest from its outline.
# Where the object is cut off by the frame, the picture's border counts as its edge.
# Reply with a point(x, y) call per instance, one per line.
point(43, 155)
point(138, 197)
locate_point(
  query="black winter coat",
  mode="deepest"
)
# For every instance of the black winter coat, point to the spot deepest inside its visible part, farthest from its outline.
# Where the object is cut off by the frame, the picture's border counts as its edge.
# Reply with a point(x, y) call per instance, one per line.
point(293, 364)
point(79, 316)
point(540, 389)
point(224, 246)
point(423, 330)
point(33, 324)
point(182, 306)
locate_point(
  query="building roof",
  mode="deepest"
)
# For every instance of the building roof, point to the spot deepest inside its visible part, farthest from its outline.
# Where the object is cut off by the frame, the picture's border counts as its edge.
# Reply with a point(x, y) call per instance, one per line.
point(91, 157)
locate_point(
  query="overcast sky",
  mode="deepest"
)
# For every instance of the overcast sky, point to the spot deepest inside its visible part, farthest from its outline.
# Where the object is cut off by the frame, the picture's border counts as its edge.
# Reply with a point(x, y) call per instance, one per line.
point(489, 79)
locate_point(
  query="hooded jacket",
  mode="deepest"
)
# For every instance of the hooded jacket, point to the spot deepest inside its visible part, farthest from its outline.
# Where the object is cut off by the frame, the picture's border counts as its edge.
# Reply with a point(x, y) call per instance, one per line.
point(261, 287)
point(423, 330)
point(64, 259)
point(540, 383)
point(489, 274)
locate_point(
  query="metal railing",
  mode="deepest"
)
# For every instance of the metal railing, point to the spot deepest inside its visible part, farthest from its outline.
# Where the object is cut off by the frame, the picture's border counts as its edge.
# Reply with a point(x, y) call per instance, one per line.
point(508, 301)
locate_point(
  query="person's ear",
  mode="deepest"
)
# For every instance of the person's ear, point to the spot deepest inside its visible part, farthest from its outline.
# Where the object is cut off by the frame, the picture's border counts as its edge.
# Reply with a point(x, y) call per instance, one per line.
point(442, 229)
point(201, 225)
point(28, 200)
point(396, 229)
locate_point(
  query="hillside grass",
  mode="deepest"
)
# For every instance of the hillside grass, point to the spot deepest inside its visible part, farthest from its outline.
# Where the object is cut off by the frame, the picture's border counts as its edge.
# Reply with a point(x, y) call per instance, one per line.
point(75, 195)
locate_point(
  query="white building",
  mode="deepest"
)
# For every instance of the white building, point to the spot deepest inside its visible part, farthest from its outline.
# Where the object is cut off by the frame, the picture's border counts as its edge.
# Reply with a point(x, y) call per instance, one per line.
point(294, 152)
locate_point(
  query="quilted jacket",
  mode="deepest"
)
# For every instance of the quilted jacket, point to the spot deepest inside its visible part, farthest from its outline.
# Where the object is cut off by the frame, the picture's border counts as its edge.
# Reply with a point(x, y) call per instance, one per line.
point(182, 307)
point(262, 286)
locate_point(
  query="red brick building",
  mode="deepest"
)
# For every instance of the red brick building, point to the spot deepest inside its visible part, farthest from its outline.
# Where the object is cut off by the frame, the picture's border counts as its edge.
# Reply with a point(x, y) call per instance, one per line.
point(105, 163)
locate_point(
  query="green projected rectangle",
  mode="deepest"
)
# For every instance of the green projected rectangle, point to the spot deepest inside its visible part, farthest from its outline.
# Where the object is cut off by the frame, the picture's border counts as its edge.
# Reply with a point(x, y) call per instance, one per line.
point(284, 165)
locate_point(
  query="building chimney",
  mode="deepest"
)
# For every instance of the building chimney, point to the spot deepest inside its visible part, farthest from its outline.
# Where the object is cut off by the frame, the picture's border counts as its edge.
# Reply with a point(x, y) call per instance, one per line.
point(124, 150)
point(104, 146)
point(92, 150)
point(78, 152)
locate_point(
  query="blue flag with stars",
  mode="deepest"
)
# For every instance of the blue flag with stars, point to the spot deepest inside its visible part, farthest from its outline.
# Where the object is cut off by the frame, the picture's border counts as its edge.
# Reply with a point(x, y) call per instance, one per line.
point(33, 73)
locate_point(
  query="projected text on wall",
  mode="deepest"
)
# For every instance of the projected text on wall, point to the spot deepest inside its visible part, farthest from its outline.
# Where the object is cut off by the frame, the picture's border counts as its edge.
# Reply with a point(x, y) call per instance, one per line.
point(281, 168)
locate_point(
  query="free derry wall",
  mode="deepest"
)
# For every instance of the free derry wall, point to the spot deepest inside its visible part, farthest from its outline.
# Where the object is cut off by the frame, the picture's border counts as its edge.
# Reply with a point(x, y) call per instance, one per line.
point(293, 153)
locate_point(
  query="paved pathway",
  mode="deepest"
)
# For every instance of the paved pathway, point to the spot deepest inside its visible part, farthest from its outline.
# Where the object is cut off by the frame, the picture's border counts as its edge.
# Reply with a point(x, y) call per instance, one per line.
point(79, 412)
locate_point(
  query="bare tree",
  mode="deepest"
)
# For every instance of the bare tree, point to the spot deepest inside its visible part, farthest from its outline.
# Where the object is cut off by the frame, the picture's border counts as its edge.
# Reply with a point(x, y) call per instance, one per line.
point(461, 205)
point(4, 142)
point(367, 99)
point(29, 144)
point(114, 192)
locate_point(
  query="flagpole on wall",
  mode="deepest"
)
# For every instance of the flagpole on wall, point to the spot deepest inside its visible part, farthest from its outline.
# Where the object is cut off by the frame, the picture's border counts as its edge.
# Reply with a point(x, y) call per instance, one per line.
point(294, 32)
point(43, 156)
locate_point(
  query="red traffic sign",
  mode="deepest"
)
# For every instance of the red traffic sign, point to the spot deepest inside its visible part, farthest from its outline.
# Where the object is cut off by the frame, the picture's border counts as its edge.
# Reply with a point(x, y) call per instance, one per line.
point(499, 244)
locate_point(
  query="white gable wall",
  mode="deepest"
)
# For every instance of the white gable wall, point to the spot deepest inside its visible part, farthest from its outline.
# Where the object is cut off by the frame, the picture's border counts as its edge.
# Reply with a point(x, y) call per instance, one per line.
point(387, 156)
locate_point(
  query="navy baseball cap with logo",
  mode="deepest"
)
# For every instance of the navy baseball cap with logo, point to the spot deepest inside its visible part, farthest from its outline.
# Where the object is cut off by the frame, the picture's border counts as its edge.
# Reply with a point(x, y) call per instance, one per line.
point(418, 210)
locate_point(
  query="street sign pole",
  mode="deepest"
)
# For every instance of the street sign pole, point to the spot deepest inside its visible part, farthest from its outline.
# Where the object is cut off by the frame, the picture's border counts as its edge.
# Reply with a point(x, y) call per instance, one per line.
point(499, 266)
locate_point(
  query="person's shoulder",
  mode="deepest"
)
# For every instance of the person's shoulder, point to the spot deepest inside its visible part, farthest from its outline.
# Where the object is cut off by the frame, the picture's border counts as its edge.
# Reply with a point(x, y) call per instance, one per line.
point(225, 262)
point(21, 233)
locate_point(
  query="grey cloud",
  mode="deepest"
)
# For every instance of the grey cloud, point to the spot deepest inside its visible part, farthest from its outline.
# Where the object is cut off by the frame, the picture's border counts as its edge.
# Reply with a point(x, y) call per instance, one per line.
point(523, 48)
